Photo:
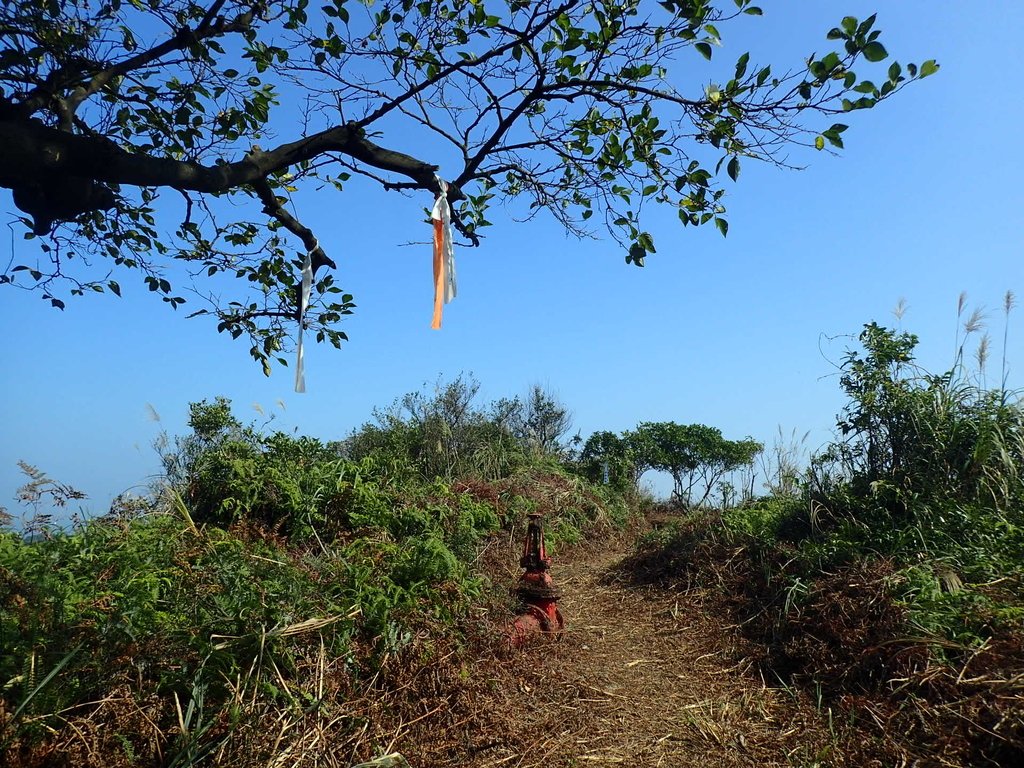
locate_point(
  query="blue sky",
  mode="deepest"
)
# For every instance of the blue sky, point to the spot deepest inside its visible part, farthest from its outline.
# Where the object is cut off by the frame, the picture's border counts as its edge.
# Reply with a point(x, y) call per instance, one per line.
point(737, 333)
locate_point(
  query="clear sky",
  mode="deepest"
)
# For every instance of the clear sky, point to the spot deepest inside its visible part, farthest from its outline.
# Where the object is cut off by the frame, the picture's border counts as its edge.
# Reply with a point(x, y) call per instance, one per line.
point(737, 333)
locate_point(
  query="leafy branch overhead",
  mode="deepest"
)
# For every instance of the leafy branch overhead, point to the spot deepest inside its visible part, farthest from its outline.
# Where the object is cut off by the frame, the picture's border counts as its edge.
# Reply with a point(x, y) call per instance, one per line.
point(586, 110)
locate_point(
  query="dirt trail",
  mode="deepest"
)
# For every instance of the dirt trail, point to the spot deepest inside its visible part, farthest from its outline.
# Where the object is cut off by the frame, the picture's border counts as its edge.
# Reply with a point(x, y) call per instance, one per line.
point(643, 678)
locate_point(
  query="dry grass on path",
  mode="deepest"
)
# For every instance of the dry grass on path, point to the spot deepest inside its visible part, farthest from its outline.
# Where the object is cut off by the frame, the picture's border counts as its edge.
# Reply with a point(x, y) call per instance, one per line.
point(641, 678)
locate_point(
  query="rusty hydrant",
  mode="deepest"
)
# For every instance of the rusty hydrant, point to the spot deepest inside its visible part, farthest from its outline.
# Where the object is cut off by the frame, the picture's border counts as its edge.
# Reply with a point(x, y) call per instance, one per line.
point(536, 590)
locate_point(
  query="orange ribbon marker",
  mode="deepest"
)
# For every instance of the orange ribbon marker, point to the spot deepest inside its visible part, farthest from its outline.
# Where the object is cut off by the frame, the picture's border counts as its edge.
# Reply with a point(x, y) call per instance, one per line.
point(444, 254)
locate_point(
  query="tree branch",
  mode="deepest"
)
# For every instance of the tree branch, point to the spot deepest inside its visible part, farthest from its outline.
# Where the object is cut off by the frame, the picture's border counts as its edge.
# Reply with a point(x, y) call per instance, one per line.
point(68, 76)
point(446, 72)
point(502, 128)
point(36, 150)
point(273, 208)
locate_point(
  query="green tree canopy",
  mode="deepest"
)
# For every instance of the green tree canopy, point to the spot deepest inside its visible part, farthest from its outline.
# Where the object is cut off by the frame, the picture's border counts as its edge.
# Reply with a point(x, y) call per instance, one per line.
point(586, 109)
point(695, 455)
point(610, 458)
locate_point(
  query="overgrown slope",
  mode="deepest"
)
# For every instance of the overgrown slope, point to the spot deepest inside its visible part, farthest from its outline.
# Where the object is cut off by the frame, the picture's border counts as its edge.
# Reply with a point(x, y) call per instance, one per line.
point(273, 598)
point(890, 582)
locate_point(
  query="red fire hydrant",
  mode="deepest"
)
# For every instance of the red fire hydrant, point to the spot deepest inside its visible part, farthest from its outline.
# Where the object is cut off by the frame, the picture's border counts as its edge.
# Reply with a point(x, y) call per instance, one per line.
point(536, 590)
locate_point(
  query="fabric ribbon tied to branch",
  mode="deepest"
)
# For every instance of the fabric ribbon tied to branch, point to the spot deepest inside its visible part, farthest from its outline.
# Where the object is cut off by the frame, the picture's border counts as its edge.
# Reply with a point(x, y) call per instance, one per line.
point(444, 253)
point(304, 294)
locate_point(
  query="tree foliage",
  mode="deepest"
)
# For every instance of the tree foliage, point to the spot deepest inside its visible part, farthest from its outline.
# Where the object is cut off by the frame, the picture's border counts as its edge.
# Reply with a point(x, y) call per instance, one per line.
point(611, 459)
point(538, 421)
point(695, 455)
point(443, 432)
point(585, 109)
point(915, 442)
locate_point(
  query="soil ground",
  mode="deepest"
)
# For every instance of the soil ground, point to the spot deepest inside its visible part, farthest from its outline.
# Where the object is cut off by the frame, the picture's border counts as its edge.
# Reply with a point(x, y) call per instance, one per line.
point(641, 677)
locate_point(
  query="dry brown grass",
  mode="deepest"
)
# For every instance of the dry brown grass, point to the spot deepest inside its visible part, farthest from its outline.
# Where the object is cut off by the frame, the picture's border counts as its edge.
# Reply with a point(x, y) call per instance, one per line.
point(640, 678)
point(847, 644)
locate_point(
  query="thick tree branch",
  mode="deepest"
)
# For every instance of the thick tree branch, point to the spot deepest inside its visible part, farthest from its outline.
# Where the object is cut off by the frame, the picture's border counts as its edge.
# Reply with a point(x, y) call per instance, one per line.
point(35, 149)
point(44, 157)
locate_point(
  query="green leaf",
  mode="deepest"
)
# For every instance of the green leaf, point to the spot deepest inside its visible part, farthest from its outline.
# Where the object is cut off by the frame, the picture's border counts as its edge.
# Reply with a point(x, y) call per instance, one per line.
point(723, 226)
point(875, 51)
point(705, 50)
point(929, 68)
point(733, 169)
point(45, 681)
point(636, 255)
point(741, 65)
point(819, 142)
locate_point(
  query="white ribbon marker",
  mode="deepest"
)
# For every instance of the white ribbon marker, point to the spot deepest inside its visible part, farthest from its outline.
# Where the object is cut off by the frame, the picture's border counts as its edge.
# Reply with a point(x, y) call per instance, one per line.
point(307, 289)
point(444, 253)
